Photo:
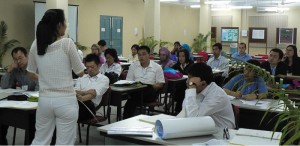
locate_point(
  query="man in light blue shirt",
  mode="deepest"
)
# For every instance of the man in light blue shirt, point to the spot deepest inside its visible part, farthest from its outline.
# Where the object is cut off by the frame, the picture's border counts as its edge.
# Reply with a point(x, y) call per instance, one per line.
point(242, 55)
point(218, 61)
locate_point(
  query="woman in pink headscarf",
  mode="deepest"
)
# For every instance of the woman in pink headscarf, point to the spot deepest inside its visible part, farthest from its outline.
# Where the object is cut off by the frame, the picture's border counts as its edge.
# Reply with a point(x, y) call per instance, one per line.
point(164, 55)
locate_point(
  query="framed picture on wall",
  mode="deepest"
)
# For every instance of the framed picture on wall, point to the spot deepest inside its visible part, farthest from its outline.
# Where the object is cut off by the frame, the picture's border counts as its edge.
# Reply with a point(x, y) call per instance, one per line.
point(286, 35)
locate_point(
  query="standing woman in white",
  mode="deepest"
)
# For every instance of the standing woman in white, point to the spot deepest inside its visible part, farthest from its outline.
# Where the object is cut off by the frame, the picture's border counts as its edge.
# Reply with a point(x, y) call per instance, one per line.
point(51, 60)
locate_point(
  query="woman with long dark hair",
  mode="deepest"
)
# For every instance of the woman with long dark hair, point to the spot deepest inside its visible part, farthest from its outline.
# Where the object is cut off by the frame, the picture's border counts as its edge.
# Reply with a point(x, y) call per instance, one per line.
point(183, 62)
point(53, 57)
point(292, 60)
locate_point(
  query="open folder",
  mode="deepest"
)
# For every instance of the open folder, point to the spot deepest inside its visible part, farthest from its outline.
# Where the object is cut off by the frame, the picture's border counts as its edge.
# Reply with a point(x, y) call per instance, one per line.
point(185, 127)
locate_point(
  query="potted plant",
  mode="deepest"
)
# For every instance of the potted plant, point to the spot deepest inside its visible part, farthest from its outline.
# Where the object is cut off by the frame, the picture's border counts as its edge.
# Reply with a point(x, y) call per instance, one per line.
point(152, 43)
point(200, 42)
point(4, 43)
point(80, 47)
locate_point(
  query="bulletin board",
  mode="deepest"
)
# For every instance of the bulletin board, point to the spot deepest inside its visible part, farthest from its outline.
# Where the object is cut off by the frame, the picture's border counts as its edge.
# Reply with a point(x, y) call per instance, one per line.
point(258, 35)
point(286, 35)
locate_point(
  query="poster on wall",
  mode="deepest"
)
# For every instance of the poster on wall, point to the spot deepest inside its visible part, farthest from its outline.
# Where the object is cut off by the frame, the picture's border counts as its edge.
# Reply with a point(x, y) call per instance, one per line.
point(286, 36)
point(258, 34)
point(230, 34)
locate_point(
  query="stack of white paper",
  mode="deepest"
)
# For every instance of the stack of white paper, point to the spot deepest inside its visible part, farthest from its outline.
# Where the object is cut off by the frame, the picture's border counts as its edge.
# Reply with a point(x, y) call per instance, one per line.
point(18, 104)
point(185, 127)
point(146, 131)
point(255, 102)
point(121, 82)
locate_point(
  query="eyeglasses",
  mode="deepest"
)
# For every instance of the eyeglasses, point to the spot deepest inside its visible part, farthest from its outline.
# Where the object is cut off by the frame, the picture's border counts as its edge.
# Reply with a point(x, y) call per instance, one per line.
point(226, 133)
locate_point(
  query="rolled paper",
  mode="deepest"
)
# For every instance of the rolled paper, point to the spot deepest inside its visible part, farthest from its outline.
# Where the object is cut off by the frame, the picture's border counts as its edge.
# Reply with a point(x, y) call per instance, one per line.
point(185, 127)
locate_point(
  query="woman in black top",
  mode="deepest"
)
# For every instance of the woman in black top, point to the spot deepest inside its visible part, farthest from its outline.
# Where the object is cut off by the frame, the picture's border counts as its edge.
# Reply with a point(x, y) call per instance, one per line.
point(292, 60)
point(182, 66)
point(183, 62)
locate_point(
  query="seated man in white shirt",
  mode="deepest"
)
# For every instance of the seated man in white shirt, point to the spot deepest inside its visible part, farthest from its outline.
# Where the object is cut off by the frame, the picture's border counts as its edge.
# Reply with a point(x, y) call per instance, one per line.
point(90, 87)
point(147, 72)
point(204, 98)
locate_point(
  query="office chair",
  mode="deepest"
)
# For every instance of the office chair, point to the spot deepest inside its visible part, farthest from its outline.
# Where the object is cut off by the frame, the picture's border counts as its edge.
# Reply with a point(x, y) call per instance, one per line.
point(98, 118)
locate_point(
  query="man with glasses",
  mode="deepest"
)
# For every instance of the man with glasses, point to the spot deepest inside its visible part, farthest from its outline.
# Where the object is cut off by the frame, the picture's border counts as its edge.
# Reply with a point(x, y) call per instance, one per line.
point(16, 76)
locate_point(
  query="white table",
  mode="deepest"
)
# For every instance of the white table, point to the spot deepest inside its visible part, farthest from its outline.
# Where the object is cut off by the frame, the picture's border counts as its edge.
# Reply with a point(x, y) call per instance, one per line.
point(154, 140)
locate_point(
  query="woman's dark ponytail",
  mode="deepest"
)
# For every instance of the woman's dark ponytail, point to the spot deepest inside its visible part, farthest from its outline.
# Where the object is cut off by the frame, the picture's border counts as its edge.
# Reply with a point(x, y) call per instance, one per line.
point(46, 32)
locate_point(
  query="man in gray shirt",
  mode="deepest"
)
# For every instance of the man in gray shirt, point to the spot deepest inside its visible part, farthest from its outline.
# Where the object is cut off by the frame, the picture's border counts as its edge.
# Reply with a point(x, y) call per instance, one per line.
point(16, 76)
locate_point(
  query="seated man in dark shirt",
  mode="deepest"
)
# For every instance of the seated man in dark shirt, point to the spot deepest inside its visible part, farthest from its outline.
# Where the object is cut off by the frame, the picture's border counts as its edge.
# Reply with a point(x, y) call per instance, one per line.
point(274, 65)
point(16, 76)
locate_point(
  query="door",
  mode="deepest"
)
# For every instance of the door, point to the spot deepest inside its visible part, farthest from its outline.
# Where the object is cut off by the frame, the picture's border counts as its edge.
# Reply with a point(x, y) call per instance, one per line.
point(111, 30)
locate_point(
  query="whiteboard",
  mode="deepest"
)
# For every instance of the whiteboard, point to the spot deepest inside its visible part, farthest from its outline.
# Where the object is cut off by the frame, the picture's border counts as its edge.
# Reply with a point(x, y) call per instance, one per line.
point(40, 9)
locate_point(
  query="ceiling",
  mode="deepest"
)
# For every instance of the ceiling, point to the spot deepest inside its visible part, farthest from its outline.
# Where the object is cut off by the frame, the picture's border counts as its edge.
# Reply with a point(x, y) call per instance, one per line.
point(254, 3)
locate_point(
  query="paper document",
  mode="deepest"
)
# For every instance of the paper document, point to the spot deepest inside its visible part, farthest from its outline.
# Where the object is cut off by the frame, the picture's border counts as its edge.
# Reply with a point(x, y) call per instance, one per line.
point(31, 93)
point(258, 133)
point(18, 104)
point(121, 82)
point(145, 131)
point(152, 119)
point(255, 102)
point(185, 127)
point(214, 142)
point(255, 137)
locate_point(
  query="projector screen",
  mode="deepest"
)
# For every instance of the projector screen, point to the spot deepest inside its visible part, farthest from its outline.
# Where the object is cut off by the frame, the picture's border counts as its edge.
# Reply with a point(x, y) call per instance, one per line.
point(230, 34)
point(40, 9)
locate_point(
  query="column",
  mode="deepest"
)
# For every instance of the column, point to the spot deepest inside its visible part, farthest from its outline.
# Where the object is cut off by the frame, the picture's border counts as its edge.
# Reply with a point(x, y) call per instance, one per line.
point(59, 4)
point(152, 20)
point(205, 22)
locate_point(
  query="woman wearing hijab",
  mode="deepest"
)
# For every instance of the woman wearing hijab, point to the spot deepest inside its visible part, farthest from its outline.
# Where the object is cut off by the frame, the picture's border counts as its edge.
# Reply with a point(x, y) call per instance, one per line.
point(164, 55)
